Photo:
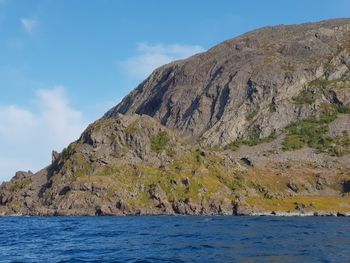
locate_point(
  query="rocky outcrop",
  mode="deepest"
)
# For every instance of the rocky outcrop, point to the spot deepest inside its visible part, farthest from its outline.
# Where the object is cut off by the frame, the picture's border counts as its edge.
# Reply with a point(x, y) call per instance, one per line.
point(256, 125)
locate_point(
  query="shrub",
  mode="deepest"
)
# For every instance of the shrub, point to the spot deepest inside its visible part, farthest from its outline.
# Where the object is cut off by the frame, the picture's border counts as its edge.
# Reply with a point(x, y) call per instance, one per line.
point(340, 108)
point(293, 142)
point(311, 132)
point(20, 185)
point(250, 141)
point(306, 132)
point(320, 83)
point(159, 142)
point(304, 97)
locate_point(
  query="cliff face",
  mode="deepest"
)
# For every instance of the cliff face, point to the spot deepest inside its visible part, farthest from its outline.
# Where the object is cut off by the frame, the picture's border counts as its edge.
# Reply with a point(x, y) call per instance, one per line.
point(258, 123)
point(244, 86)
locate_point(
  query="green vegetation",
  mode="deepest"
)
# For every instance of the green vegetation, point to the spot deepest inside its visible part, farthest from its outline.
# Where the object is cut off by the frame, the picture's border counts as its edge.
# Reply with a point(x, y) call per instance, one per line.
point(338, 146)
point(321, 83)
point(307, 132)
point(311, 203)
point(65, 154)
point(333, 109)
point(294, 142)
point(312, 133)
point(250, 141)
point(20, 184)
point(159, 142)
point(343, 109)
point(272, 107)
point(191, 177)
point(132, 127)
point(304, 97)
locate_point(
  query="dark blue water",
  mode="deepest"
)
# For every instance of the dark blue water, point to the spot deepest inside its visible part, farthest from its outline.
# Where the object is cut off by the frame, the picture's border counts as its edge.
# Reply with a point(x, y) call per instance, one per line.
point(174, 239)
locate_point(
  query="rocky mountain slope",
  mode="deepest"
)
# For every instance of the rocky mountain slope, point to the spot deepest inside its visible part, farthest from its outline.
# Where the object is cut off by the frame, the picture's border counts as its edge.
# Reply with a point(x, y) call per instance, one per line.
point(259, 123)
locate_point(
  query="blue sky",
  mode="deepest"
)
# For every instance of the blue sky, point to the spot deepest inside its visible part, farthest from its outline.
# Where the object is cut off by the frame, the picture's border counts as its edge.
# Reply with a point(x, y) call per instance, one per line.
point(64, 63)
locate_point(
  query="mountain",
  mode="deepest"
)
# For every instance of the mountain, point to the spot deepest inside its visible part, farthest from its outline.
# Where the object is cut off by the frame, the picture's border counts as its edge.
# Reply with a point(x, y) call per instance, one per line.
point(257, 124)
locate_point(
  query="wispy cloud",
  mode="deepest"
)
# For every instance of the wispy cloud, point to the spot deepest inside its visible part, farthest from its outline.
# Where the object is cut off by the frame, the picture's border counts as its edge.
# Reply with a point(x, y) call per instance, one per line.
point(27, 136)
point(29, 24)
point(148, 57)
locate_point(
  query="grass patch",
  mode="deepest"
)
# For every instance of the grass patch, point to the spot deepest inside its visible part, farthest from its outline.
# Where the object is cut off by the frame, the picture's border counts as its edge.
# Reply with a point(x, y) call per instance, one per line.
point(294, 142)
point(308, 132)
point(312, 203)
point(132, 127)
point(20, 185)
point(250, 141)
point(312, 133)
point(343, 109)
point(337, 146)
point(159, 142)
point(304, 97)
point(321, 83)
point(100, 124)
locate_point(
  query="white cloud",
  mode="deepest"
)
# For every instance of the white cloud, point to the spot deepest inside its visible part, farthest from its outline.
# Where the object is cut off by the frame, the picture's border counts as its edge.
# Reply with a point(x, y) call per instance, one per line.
point(149, 57)
point(27, 137)
point(29, 24)
point(13, 119)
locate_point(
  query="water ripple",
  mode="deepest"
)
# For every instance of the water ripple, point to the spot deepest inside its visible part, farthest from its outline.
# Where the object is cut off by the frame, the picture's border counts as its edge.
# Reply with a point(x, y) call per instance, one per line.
point(174, 239)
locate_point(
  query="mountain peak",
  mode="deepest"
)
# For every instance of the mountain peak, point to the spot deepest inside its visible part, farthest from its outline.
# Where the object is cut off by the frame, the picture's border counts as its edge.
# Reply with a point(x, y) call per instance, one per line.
point(225, 94)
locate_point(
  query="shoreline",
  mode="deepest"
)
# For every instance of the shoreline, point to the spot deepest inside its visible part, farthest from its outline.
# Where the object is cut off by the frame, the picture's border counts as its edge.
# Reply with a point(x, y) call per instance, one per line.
point(256, 214)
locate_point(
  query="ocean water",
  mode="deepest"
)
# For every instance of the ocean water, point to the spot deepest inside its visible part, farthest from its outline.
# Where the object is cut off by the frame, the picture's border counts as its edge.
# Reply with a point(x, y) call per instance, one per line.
point(174, 239)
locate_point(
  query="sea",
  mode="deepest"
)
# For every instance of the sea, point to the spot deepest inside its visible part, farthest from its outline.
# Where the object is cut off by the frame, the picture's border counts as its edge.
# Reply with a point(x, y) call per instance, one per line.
point(175, 239)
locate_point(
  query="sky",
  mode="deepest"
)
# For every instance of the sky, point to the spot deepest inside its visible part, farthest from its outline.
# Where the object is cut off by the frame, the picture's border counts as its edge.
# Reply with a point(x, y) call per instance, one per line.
point(64, 63)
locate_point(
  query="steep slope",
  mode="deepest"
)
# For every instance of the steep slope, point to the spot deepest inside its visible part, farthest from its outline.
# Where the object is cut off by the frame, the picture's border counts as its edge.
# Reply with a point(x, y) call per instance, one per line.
point(243, 86)
point(259, 123)
point(123, 165)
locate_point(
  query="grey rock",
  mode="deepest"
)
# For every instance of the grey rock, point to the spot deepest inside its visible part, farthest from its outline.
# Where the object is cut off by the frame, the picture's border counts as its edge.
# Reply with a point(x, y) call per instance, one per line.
point(55, 156)
point(242, 86)
point(21, 175)
point(292, 186)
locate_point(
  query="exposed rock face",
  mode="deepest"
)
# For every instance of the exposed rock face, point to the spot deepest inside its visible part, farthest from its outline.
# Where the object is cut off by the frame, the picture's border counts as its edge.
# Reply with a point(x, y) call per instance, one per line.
point(244, 85)
point(259, 123)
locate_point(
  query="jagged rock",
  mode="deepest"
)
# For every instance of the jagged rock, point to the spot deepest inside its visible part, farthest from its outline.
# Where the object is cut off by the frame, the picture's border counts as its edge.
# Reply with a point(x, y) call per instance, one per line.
point(180, 208)
point(247, 161)
point(186, 182)
point(21, 175)
point(341, 214)
point(242, 210)
point(65, 190)
point(320, 182)
point(292, 186)
point(300, 207)
point(122, 206)
point(346, 186)
point(55, 156)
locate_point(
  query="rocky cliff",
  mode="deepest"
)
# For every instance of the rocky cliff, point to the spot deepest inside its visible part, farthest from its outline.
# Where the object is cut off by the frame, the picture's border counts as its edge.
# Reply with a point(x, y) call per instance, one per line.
point(258, 123)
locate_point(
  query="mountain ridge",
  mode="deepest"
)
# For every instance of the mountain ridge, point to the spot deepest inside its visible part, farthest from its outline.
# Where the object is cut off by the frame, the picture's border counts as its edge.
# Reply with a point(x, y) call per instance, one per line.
point(216, 87)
